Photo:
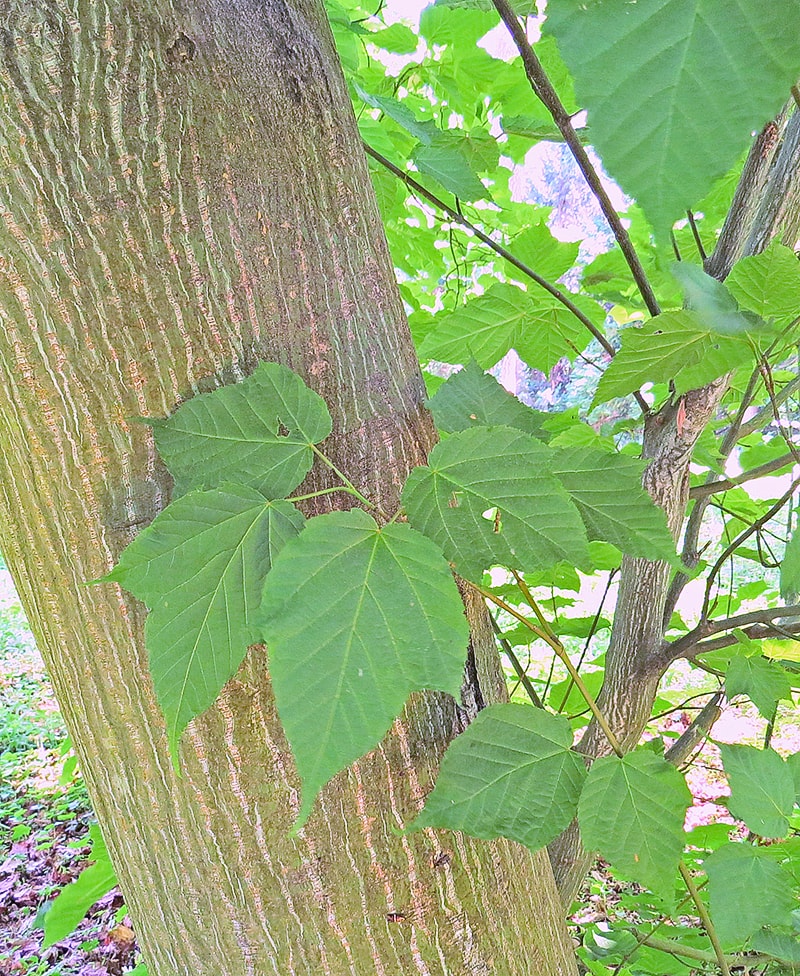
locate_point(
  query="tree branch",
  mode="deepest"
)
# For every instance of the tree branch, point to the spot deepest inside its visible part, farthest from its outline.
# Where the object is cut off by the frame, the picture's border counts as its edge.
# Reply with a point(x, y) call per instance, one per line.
point(686, 743)
point(689, 642)
point(543, 89)
point(458, 218)
point(725, 484)
point(699, 955)
point(743, 536)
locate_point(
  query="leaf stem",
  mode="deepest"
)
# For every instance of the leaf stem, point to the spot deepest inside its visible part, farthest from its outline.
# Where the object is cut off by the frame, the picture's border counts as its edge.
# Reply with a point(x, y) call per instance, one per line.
point(317, 494)
point(708, 925)
point(557, 646)
point(346, 482)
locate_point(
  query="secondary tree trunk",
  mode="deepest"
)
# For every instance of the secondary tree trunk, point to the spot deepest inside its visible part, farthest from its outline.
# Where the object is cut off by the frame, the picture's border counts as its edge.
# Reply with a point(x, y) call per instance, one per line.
point(184, 195)
point(766, 205)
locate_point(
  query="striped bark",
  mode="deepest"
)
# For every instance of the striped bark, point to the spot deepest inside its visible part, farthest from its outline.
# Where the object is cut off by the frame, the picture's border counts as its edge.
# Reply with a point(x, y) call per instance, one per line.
point(184, 195)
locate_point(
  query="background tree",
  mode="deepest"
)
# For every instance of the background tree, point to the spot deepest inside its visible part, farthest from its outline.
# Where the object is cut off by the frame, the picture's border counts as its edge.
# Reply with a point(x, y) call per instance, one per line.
point(185, 196)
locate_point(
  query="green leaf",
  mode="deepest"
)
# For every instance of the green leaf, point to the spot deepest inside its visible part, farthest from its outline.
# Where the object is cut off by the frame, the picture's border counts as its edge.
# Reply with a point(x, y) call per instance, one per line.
point(607, 491)
point(512, 774)
point(763, 681)
point(768, 283)
point(200, 567)
point(73, 902)
point(653, 75)
point(503, 318)
point(396, 38)
point(425, 130)
point(747, 889)
point(356, 617)
point(782, 945)
point(790, 569)
point(671, 346)
point(715, 307)
point(473, 398)
point(537, 248)
point(632, 811)
point(762, 789)
point(475, 472)
point(449, 165)
point(258, 432)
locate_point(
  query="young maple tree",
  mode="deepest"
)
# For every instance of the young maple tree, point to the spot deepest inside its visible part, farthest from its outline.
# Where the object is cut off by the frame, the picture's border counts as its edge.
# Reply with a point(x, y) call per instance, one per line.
point(204, 210)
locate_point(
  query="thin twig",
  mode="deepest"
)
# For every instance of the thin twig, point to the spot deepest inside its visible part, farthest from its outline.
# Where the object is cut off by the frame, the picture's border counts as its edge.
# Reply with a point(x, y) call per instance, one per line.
point(544, 90)
point(521, 673)
point(592, 629)
point(708, 628)
point(758, 420)
point(708, 925)
point(725, 484)
point(698, 955)
point(457, 217)
point(563, 657)
point(743, 536)
point(696, 234)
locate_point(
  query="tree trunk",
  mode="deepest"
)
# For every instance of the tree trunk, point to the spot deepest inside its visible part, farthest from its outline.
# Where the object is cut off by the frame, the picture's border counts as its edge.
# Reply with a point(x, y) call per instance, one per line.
point(184, 196)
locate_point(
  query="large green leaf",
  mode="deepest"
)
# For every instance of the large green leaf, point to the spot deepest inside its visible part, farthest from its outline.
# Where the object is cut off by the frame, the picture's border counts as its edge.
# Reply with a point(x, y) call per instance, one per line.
point(356, 617)
point(762, 789)
point(200, 567)
point(257, 432)
point(675, 88)
point(512, 774)
point(505, 317)
point(763, 681)
point(747, 890)
point(488, 497)
point(607, 490)
point(473, 398)
point(672, 346)
point(73, 902)
point(768, 283)
point(632, 811)
point(537, 248)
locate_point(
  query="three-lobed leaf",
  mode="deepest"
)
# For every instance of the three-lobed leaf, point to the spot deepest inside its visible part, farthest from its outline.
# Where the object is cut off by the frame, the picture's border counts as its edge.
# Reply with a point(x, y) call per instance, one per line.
point(473, 398)
point(200, 568)
point(512, 774)
point(258, 432)
point(673, 346)
point(768, 283)
point(488, 497)
point(762, 789)
point(506, 317)
point(607, 491)
point(747, 890)
point(356, 617)
point(632, 811)
point(674, 88)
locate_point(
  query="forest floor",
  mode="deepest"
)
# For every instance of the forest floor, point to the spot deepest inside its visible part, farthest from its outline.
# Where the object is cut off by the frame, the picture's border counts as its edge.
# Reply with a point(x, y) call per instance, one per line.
point(45, 815)
point(44, 822)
